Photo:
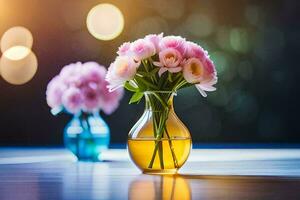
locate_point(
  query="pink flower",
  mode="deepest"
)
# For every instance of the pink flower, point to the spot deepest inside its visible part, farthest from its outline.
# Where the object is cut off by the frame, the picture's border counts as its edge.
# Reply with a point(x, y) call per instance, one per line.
point(90, 94)
point(142, 49)
point(210, 78)
point(209, 66)
point(195, 51)
point(72, 100)
point(155, 40)
point(207, 85)
point(92, 72)
point(109, 101)
point(79, 87)
point(193, 70)
point(202, 74)
point(124, 49)
point(71, 74)
point(120, 71)
point(169, 60)
point(175, 42)
point(55, 90)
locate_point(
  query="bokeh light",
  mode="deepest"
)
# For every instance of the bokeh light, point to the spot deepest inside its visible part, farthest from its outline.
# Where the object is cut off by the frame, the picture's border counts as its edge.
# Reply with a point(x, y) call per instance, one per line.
point(199, 25)
point(245, 70)
point(18, 71)
point(16, 36)
point(149, 25)
point(105, 21)
point(253, 14)
point(223, 38)
point(169, 9)
point(220, 60)
point(73, 13)
point(16, 52)
point(239, 40)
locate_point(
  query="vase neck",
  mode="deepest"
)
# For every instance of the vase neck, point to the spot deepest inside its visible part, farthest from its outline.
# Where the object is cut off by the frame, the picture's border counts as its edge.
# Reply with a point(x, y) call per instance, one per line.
point(159, 101)
point(86, 115)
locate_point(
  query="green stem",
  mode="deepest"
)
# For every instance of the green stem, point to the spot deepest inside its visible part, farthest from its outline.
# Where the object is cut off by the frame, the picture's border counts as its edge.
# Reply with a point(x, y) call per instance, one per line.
point(150, 61)
point(172, 148)
point(158, 133)
point(182, 83)
point(160, 99)
point(159, 119)
point(160, 154)
point(153, 155)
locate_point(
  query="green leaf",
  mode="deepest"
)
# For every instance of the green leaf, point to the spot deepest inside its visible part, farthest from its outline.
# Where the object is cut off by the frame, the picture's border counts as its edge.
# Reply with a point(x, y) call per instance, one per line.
point(136, 97)
point(130, 87)
point(145, 82)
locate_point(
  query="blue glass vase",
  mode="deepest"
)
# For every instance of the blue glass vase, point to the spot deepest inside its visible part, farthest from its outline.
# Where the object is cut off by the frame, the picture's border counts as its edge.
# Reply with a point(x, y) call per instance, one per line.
point(86, 135)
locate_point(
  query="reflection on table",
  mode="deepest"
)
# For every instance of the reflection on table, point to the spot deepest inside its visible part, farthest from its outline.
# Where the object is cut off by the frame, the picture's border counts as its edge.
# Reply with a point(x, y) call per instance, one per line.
point(54, 174)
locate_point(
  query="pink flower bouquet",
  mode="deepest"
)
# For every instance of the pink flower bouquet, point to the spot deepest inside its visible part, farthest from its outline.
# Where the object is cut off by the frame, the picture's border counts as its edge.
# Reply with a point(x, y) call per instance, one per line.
point(82, 88)
point(157, 63)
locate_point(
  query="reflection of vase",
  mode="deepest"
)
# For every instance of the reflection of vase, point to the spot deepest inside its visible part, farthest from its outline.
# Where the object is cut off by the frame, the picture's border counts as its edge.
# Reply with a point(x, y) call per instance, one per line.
point(159, 142)
point(160, 187)
point(86, 135)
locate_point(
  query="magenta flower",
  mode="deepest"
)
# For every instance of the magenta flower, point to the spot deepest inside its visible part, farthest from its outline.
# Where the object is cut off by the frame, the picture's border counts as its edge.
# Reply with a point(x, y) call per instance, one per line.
point(120, 71)
point(124, 49)
point(109, 101)
point(79, 88)
point(142, 49)
point(55, 90)
point(195, 51)
point(91, 94)
point(155, 40)
point(169, 60)
point(175, 42)
point(202, 74)
point(70, 74)
point(193, 70)
point(72, 100)
point(210, 78)
point(92, 72)
point(141, 63)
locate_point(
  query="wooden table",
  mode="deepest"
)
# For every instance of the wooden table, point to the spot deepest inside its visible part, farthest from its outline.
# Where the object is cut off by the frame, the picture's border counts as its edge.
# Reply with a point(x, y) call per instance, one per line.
point(208, 174)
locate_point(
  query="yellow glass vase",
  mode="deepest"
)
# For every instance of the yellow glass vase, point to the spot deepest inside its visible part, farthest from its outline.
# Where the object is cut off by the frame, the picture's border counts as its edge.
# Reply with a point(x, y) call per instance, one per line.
point(159, 142)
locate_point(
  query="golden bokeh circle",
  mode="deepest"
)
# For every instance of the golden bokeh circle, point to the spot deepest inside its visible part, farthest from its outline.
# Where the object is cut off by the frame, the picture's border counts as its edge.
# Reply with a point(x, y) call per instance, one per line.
point(16, 52)
point(18, 71)
point(16, 36)
point(105, 21)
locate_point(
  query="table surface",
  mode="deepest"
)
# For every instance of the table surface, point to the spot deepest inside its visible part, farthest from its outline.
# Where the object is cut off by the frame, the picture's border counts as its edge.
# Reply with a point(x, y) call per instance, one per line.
point(45, 173)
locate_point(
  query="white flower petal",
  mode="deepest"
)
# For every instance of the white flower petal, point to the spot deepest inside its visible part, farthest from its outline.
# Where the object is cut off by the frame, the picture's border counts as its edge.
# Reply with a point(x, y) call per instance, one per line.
point(157, 64)
point(202, 92)
point(208, 88)
point(175, 69)
point(162, 70)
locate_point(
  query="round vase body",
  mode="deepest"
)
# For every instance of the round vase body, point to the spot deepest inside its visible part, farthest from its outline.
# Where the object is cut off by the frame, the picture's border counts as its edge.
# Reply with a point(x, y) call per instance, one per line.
point(86, 135)
point(159, 142)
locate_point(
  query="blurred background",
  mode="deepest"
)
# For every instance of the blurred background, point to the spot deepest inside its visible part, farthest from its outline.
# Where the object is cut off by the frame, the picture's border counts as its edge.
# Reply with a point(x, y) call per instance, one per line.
point(254, 44)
